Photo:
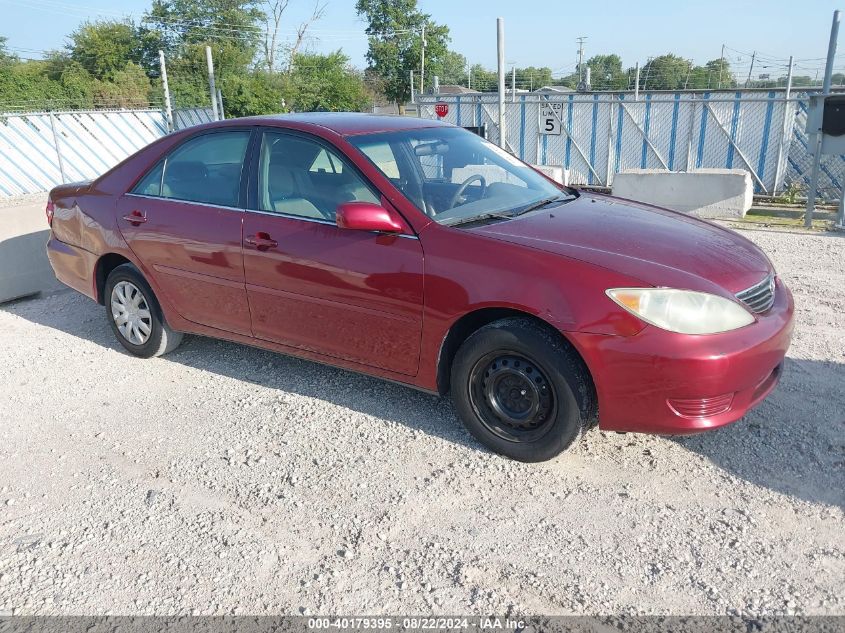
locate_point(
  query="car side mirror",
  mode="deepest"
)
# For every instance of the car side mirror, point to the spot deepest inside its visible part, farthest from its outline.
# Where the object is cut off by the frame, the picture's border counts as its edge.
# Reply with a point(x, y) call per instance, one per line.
point(366, 216)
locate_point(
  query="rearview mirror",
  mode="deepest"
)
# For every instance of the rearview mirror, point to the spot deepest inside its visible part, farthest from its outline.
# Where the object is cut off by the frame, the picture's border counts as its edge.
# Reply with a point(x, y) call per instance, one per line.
point(431, 149)
point(366, 216)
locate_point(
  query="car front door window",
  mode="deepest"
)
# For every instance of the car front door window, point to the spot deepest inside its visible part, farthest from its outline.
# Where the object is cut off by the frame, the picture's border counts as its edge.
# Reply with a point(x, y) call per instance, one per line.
point(302, 178)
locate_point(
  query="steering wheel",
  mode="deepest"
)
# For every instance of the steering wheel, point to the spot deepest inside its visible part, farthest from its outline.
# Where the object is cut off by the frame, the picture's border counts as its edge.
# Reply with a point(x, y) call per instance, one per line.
point(466, 183)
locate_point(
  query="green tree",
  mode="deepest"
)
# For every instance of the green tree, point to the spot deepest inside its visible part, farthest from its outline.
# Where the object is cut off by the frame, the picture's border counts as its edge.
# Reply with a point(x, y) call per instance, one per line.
point(26, 86)
point(606, 72)
point(483, 79)
point(78, 86)
point(532, 77)
point(125, 88)
point(252, 94)
point(325, 82)
point(665, 72)
point(6, 58)
point(719, 73)
point(395, 30)
point(183, 28)
point(105, 47)
point(182, 23)
point(451, 69)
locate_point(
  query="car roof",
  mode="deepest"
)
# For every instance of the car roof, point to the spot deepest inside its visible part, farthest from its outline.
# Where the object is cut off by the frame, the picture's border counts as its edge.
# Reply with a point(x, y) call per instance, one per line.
point(351, 123)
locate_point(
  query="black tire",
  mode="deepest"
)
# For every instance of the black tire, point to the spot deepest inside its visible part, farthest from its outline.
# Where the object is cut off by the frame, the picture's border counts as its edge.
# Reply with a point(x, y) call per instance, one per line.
point(521, 390)
point(161, 339)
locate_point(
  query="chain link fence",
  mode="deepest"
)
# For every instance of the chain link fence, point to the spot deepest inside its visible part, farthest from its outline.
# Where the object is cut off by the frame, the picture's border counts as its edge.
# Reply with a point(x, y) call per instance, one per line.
point(39, 150)
point(595, 136)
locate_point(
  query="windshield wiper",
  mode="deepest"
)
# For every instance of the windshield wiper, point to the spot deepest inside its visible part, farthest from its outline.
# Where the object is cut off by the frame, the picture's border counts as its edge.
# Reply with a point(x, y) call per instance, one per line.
point(542, 203)
point(507, 216)
point(477, 218)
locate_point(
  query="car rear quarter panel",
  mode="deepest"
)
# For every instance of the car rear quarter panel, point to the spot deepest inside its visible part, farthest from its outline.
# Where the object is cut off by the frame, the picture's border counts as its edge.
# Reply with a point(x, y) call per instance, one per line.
point(84, 225)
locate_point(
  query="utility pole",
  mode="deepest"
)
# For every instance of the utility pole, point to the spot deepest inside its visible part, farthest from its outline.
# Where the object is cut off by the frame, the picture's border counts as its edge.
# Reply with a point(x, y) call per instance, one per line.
point(580, 41)
point(513, 84)
point(469, 76)
point(815, 138)
point(422, 62)
point(721, 65)
point(411, 76)
point(750, 68)
point(168, 111)
point(211, 87)
point(500, 54)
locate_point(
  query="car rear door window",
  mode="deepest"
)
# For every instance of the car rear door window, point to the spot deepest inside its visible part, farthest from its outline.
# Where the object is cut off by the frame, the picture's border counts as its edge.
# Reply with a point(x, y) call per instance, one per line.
point(150, 184)
point(205, 169)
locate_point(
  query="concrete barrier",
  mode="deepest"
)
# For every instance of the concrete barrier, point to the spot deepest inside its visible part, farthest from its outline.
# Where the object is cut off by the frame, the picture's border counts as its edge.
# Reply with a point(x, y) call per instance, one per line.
point(24, 267)
point(708, 193)
point(556, 172)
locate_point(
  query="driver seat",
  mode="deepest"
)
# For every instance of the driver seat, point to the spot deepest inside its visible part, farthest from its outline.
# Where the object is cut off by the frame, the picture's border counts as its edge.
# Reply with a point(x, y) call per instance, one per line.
point(283, 194)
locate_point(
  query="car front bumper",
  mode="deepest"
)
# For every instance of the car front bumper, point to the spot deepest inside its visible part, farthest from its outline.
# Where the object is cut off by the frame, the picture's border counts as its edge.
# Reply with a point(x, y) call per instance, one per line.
point(667, 383)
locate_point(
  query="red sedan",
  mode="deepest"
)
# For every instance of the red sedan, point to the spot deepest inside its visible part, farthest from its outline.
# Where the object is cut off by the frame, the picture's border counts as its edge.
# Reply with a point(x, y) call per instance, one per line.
point(418, 252)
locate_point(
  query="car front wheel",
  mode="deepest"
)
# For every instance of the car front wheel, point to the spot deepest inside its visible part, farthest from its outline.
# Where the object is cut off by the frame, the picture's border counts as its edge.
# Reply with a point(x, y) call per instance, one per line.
point(521, 390)
point(135, 315)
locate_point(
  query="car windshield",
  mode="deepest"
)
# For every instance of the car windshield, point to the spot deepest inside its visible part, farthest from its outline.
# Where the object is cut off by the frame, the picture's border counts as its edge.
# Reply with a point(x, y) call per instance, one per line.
point(457, 177)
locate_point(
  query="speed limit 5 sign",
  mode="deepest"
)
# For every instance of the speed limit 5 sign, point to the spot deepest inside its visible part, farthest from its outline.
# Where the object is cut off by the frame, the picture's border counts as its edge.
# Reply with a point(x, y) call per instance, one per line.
point(550, 117)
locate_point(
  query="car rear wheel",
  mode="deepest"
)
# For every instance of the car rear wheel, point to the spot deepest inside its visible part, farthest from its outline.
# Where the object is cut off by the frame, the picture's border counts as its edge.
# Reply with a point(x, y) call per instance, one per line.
point(521, 390)
point(135, 315)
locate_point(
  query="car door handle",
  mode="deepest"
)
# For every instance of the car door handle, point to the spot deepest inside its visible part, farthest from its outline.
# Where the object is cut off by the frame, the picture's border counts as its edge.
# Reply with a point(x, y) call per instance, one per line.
point(135, 218)
point(262, 241)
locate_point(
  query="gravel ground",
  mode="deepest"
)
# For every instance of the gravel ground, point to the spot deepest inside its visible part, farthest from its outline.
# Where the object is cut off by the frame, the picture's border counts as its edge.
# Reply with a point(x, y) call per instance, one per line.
point(224, 479)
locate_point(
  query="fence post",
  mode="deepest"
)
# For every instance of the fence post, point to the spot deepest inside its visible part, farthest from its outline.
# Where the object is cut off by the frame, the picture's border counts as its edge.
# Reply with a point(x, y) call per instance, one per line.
point(608, 180)
point(691, 132)
point(168, 110)
point(785, 132)
point(637, 83)
point(58, 148)
point(220, 104)
point(815, 140)
point(211, 87)
point(500, 46)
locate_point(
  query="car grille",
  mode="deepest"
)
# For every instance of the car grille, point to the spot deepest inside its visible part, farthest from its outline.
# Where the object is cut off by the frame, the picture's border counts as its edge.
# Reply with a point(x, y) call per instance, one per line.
point(759, 297)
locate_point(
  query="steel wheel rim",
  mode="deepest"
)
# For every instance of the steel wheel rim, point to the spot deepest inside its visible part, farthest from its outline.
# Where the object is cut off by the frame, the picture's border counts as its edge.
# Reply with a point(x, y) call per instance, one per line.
point(131, 313)
point(512, 396)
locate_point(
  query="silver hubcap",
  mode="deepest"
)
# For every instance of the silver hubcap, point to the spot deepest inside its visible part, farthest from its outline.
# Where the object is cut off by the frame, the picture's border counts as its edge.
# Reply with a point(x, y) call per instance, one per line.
point(131, 313)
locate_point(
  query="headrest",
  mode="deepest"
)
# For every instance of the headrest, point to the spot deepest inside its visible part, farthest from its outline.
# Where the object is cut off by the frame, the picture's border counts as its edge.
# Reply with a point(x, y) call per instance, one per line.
point(294, 152)
point(188, 170)
point(281, 183)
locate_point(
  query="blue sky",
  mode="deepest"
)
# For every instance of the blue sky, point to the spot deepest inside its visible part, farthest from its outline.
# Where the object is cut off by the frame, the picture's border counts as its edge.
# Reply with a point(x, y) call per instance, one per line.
point(539, 33)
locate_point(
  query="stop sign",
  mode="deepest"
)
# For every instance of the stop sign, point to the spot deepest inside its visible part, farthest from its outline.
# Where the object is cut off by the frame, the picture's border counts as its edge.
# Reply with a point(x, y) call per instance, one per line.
point(441, 108)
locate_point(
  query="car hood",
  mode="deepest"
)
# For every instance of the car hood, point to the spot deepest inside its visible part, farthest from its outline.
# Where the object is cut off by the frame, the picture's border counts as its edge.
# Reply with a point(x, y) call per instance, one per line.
point(656, 246)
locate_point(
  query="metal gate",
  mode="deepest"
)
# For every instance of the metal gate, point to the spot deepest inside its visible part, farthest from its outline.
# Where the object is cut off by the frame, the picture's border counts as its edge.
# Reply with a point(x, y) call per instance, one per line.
point(602, 134)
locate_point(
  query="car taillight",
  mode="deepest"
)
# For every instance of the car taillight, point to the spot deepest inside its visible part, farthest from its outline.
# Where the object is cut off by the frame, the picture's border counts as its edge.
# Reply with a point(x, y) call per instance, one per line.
point(50, 210)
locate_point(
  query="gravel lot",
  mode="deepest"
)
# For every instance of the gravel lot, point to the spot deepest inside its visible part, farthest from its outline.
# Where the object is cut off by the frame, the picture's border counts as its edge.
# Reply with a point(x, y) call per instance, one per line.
point(224, 479)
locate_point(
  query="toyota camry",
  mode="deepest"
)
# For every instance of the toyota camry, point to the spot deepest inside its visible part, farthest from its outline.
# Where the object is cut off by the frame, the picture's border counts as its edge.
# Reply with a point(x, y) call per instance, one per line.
point(418, 252)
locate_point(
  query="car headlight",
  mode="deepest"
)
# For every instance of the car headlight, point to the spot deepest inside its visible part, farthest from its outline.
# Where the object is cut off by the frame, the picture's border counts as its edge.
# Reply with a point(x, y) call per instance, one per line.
point(682, 311)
